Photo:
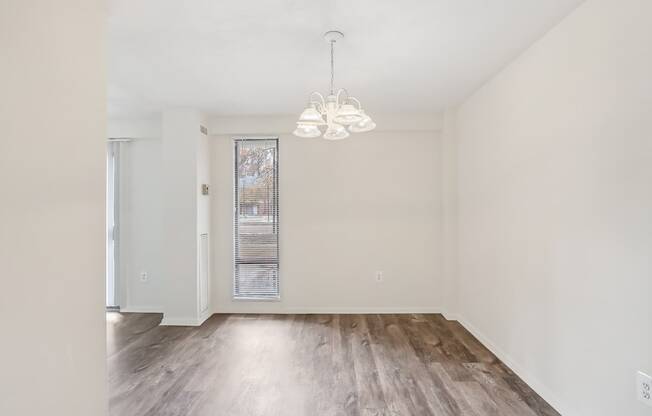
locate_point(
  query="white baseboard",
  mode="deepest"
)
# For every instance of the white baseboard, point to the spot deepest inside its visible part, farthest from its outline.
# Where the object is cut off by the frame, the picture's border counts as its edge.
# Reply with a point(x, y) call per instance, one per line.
point(181, 321)
point(517, 368)
point(364, 311)
point(450, 316)
point(191, 321)
point(336, 310)
point(204, 316)
point(142, 309)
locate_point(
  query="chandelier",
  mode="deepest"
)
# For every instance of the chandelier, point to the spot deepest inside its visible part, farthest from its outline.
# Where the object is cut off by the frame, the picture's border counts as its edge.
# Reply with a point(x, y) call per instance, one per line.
point(338, 113)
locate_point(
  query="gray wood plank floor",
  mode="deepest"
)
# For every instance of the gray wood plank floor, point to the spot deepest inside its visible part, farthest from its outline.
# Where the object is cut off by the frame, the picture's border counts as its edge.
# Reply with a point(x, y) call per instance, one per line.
point(309, 365)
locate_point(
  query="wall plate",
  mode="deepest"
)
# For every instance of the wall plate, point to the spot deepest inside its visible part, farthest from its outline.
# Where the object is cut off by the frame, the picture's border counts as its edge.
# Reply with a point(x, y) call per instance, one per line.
point(644, 388)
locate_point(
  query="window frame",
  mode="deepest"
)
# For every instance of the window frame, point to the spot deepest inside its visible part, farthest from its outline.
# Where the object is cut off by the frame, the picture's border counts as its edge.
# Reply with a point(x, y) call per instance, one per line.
point(236, 212)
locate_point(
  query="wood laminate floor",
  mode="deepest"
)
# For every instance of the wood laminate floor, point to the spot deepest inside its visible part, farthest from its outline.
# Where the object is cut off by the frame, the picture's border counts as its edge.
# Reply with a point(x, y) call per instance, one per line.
point(309, 365)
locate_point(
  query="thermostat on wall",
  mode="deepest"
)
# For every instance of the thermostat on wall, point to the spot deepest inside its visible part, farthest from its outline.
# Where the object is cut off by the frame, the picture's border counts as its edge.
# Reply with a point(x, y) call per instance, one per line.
point(204, 189)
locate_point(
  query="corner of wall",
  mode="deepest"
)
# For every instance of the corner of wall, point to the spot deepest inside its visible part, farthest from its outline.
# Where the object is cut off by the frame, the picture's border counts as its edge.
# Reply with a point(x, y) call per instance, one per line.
point(449, 212)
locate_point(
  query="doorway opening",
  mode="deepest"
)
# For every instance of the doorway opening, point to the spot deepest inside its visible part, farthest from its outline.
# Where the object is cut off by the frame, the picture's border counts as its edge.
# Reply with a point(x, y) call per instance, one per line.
point(112, 221)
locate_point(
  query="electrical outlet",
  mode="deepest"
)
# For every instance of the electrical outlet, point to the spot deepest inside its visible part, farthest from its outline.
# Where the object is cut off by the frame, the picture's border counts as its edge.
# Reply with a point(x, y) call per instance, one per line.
point(144, 277)
point(644, 388)
point(379, 276)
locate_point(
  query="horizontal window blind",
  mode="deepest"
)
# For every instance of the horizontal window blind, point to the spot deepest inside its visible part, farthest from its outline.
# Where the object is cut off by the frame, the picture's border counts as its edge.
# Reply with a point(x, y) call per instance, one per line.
point(255, 225)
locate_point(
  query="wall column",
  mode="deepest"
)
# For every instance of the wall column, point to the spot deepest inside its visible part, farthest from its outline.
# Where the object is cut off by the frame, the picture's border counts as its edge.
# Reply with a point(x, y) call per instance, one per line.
point(185, 216)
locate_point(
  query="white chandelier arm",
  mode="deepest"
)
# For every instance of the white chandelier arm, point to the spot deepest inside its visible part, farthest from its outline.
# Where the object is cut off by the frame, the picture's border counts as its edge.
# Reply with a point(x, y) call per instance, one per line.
point(321, 103)
point(356, 101)
point(339, 92)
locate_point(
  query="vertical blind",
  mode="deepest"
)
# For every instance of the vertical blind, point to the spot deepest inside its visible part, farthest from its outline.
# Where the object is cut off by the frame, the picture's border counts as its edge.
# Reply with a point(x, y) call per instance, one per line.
point(255, 220)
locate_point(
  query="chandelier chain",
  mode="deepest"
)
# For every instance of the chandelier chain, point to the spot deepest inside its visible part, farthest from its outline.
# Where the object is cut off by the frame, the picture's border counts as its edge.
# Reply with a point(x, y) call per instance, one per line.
point(332, 68)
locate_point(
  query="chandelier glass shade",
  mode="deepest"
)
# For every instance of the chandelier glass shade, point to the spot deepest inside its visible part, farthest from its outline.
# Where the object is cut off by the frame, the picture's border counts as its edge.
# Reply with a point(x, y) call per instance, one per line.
point(306, 130)
point(365, 124)
point(336, 132)
point(339, 114)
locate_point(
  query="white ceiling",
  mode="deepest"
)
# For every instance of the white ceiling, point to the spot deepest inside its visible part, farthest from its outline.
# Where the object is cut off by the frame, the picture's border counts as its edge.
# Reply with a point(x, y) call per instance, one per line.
point(265, 56)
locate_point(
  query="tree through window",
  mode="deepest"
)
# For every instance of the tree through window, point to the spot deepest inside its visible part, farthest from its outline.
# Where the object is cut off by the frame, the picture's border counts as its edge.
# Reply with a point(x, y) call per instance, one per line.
point(256, 265)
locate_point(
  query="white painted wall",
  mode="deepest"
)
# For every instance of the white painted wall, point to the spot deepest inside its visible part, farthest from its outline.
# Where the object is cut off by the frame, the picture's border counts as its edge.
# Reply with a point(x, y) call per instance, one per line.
point(161, 211)
point(449, 226)
point(144, 188)
point(185, 215)
point(555, 210)
point(52, 234)
point(135, 128)
point(349, 208)
point(283, 124)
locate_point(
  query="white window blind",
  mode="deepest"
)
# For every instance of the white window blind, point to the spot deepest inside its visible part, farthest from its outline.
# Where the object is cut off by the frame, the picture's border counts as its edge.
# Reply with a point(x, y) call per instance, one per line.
point(255, 225)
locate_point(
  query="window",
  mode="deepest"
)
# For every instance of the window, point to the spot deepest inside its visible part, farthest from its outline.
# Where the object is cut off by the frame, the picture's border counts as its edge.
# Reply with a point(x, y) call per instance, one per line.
point(255, 225)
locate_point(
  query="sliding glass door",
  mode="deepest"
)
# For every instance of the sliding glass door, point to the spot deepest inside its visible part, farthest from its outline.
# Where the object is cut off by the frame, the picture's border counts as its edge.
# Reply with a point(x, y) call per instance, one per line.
point(112, 187)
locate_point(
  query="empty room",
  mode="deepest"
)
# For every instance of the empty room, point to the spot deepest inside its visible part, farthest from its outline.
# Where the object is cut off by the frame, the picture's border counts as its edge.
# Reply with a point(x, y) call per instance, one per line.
point(326, 208)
